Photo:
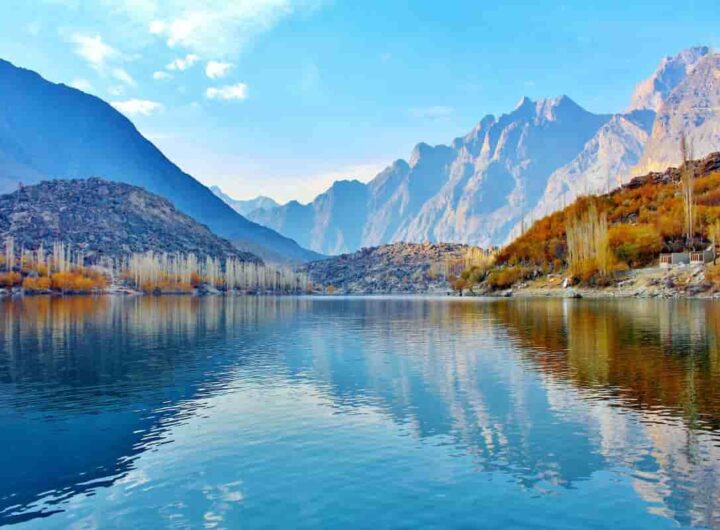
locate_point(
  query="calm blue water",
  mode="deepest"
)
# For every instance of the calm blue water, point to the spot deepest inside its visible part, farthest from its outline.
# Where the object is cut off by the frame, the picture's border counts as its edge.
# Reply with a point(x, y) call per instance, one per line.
point(356, 413)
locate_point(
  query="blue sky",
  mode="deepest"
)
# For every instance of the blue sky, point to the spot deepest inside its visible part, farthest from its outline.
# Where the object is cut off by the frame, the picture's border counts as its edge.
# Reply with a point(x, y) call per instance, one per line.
point(281, 97)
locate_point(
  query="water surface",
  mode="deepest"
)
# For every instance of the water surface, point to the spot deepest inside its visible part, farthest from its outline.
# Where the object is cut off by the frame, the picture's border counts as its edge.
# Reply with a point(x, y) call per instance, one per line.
point(255, 412)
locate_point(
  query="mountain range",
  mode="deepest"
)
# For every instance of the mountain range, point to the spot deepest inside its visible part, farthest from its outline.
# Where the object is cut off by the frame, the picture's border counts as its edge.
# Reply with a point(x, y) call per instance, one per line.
point(484, 187)
point(52, 131)
point(244, 207)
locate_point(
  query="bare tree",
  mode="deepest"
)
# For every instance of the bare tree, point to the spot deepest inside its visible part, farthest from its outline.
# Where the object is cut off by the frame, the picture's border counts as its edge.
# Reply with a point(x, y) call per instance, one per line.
point(687, 189)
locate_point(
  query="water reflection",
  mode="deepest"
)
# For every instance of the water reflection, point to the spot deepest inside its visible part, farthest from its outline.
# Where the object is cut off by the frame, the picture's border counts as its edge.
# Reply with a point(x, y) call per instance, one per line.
point(549, 393)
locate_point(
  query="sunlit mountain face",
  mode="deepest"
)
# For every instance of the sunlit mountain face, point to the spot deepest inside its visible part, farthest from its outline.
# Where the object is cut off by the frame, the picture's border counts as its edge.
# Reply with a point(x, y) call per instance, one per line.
point(170, 409)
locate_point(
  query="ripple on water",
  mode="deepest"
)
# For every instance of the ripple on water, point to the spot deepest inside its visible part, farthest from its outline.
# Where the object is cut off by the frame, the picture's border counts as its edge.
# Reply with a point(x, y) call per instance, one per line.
point(302, 412)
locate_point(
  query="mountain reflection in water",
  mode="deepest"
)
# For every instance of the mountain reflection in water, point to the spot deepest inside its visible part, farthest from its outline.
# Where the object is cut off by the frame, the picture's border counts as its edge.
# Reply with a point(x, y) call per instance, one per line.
point(581, 402)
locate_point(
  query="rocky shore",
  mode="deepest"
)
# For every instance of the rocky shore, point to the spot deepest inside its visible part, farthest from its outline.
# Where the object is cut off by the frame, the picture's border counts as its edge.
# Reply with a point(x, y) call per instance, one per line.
point(678, 282)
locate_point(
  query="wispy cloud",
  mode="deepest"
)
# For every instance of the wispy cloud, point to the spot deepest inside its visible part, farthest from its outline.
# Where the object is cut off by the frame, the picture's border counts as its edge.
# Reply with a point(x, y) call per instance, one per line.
point(183, 63)
point(217, 69)
point(94, 50)
point(137, 107)
point(238, 91)
point(102, 57)
point(431, 113)
point(217, 27)
point(123, 76)
point(161, 75)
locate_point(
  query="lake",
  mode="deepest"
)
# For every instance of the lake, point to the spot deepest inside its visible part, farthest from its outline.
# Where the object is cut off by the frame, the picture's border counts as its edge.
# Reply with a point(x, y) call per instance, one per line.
point(259, 412)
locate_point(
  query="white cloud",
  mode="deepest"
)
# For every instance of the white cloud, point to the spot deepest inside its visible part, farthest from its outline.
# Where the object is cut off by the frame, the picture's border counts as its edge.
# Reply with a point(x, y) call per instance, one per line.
point(157, 27)
point(432, 113)
point(121, 75)
point(133, 107)
point(161, 75)
point(218, 27)
point(183, 63)
point(102, 57)
point(94, 50)
point(217, 69)
point(81, 84)
point(228, 92)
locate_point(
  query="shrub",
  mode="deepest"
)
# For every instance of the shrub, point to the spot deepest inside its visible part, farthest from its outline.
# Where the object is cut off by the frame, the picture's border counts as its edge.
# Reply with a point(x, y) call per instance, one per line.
point(459, 285)
point(34, 285)
point(506, 277)
point(78, 281)
point(712, 274)
point(636, 245)
point(10, 279)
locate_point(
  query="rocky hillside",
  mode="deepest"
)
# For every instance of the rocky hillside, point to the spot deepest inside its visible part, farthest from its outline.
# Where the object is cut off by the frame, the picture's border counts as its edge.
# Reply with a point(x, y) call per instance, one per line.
point(51, 131)
point(513, 169)
point(105, 219)
point(644, 217)
point(395, 268)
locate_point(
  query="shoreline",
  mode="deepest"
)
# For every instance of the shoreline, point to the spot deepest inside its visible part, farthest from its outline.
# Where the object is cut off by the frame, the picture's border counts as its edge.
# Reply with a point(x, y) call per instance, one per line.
point(683, 282)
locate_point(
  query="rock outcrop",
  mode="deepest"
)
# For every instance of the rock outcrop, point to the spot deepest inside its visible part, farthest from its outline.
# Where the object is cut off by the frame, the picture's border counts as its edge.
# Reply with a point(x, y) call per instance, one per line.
point(395, 268)
point(105, 219)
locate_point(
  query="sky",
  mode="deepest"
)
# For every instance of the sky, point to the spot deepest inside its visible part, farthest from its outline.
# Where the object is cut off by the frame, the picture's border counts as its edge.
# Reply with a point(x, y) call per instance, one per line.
point(282, 97)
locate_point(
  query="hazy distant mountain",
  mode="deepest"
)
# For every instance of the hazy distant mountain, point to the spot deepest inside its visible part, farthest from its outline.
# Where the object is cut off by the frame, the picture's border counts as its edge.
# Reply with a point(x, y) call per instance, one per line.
point(244, 207)
point(473, 190)
point(334, 221)
point(524, 164)
point(104, 218)
point(50, 131)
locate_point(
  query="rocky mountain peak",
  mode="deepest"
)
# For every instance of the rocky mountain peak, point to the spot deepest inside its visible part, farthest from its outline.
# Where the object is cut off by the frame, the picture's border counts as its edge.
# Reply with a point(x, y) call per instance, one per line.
point(672, 70)
point(692, 109)
point(420, 150)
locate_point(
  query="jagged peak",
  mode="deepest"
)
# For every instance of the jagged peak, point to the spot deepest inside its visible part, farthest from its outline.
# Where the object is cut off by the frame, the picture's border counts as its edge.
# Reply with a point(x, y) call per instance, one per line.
point(548, 107)
point(477, 132)
point(345, 183)
point(672, 70)
point(523, 102)
point(419, 151)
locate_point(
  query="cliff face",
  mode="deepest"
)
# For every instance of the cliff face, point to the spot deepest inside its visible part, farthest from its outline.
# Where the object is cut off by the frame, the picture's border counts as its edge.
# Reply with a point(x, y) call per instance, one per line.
point(105, 219)
point(651, 93)
point(691, 108)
